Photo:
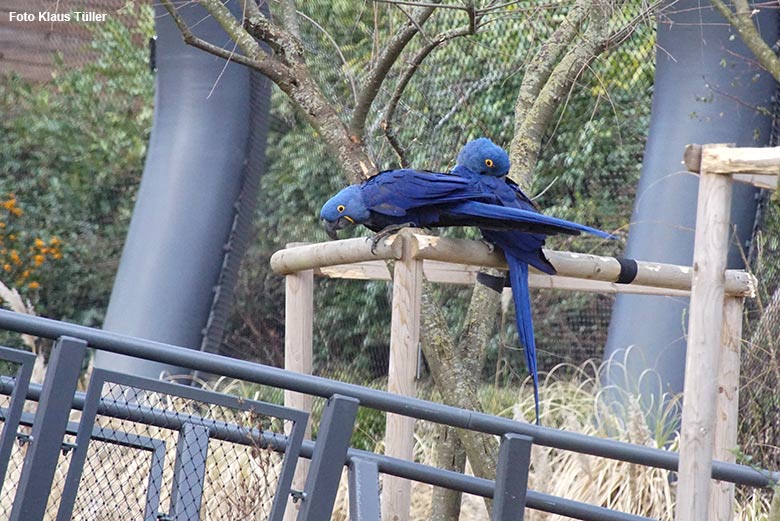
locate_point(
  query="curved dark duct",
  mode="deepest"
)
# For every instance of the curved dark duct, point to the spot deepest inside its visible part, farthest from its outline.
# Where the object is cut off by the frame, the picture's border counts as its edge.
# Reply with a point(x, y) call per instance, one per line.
point(192, 218)
point(707, 90)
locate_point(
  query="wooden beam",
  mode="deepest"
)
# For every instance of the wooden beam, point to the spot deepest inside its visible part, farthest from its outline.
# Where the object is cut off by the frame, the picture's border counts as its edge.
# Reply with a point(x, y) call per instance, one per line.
point(477, 253)
point(298, 334)
point(345, 251)
point(711, 243)
point(579, 265)
point(404, 340)
point(764, 181)
point(448, 273)
point(757, 166)
point(727, 407)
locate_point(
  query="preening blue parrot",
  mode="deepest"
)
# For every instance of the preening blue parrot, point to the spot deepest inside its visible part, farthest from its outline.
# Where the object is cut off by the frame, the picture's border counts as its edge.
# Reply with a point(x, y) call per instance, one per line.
point(476, 193)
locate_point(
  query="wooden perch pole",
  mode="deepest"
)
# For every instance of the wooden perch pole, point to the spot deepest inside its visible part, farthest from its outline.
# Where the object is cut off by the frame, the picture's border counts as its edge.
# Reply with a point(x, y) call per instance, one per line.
point(727, 407)
point(757, 166)
point(404, 339)
point(704, 345)
point(476, 253)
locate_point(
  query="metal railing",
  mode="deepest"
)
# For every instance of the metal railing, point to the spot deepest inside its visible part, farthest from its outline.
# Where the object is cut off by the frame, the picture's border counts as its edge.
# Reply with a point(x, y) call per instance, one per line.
point(208, 419)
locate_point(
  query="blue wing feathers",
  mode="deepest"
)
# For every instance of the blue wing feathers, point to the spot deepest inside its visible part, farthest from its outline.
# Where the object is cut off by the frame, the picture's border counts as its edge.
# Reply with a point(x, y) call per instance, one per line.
point(509, 215)
point(394, 192)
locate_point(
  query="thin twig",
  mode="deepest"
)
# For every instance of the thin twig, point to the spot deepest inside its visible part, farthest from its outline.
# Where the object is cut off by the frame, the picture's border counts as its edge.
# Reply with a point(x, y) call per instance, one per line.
point(406, 76)
point(347, 72)
point(378, 73)
point(546, 188)
point(423, 4)
point(414, 22)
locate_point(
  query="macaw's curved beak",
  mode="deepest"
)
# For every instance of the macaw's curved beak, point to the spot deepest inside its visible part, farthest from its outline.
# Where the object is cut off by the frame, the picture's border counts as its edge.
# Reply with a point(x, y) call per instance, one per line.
point(332, 227)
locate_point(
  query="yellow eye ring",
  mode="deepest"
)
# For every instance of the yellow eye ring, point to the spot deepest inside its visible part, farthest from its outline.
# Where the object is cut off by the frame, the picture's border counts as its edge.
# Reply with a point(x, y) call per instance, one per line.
point(489, 163)
point(341, 208)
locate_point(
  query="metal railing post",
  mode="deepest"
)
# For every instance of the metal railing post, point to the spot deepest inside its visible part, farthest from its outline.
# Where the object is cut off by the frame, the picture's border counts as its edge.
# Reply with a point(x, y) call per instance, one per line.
point(514, 457)
point(14, 412)
point(189, 472)
point(330, 454)
point(48, 431)
point(364, 504)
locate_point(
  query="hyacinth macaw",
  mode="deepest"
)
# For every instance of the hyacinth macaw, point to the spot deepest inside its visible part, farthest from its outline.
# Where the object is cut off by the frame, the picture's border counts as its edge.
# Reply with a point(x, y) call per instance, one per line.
point(476, 193)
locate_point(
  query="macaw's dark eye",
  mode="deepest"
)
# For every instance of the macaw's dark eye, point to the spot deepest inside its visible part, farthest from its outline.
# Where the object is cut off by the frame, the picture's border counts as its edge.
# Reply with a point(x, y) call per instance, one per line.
point(489, 163)
point(341, 208)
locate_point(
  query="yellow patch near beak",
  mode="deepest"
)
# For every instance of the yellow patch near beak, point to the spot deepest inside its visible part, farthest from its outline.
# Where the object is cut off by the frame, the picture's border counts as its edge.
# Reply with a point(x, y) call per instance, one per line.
point(347, 217)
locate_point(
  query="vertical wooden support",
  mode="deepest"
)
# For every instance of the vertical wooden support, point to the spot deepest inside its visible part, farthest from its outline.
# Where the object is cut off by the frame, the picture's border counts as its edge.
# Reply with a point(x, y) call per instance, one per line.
point(725, 440)
point(298, 331)
point(704, 344)
point(404, 339)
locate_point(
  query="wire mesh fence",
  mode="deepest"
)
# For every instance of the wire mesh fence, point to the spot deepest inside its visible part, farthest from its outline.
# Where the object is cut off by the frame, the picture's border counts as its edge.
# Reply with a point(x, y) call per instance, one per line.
point(136, 467)
point(587, 171)
point(464, 89)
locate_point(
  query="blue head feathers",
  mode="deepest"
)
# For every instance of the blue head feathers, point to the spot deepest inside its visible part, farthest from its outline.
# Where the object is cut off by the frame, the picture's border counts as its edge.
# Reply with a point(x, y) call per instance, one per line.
point(343, 209)
point(482, 156)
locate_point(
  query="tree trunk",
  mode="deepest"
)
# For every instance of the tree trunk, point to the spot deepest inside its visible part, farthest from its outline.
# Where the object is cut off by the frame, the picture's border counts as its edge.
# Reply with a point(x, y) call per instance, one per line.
point(449, 451)
point(455, 378)
point(449, 455)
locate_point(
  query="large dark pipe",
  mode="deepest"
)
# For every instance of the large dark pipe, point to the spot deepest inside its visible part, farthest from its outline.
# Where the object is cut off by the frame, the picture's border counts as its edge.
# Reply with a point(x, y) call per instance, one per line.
point(707, 90)
point(181, 254)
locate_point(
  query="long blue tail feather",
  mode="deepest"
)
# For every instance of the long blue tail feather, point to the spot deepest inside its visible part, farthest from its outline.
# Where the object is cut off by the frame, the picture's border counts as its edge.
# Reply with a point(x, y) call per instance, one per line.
point(518, 277)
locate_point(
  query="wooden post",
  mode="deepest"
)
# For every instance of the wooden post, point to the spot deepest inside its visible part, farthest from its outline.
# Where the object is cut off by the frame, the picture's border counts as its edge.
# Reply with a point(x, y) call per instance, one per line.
point(404, 339)
point(298, 329)
point(725, 440)
point(704, 344)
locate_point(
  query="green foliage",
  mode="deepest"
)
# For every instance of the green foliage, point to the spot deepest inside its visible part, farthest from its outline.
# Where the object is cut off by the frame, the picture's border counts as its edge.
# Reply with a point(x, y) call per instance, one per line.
point(72, 153)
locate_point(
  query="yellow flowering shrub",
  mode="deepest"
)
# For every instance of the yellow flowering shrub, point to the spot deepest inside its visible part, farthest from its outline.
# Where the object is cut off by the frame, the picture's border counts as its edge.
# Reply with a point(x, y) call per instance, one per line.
point(22, 256)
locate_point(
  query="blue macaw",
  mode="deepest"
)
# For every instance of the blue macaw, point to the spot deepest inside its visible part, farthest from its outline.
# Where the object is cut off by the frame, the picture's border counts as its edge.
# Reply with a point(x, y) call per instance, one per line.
point(476, 193)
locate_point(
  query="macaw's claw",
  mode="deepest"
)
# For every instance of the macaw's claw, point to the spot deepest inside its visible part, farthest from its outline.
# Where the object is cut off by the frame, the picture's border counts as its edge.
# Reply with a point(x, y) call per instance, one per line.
point(490, 246)
point(386, 232)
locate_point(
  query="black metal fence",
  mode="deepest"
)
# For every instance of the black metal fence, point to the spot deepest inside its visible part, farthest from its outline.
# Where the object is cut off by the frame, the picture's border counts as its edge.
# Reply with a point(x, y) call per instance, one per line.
point(234, 456)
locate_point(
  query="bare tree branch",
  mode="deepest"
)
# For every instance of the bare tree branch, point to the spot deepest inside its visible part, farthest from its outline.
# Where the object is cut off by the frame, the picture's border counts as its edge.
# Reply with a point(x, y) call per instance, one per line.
point(290, 18)
point(541, 66)
point(191, 39)
point(251, 9)
point(742, 21)
point(378, 73)
point(288, 70)
point(286, 47)
point(533, 116)
point(450, 452)
point(225, 18)
point(423, 4)
point(406, 76)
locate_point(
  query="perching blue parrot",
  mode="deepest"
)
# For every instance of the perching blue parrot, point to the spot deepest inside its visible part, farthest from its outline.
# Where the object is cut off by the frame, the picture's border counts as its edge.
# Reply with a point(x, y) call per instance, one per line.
point(476, 193)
